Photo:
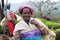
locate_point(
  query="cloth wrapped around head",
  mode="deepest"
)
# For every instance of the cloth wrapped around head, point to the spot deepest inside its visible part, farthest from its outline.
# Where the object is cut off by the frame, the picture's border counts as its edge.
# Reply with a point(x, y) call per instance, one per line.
point(22, 7)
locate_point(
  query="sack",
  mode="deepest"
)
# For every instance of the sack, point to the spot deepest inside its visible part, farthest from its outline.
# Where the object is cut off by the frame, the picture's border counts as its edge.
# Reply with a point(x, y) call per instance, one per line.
point(45, 37)
point(51, 37)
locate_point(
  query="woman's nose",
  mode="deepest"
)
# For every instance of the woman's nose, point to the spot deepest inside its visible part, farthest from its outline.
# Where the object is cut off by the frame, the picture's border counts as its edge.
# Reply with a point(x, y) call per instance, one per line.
point(27, 14)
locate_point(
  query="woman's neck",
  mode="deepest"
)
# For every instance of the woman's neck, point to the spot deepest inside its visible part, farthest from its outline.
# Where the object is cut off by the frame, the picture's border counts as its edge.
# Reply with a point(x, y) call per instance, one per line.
point(27, 22)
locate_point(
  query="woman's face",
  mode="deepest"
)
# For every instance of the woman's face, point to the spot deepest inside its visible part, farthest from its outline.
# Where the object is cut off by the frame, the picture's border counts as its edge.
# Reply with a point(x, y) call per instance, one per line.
point(26, 14)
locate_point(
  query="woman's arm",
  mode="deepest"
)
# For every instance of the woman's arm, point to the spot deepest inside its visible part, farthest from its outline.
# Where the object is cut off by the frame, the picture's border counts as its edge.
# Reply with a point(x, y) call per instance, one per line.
point(43, 28)
point(16, 35)
point(40, 26)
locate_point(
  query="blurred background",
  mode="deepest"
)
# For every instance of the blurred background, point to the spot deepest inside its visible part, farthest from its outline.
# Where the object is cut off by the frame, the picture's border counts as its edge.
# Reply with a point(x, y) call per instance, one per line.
point(48, 11)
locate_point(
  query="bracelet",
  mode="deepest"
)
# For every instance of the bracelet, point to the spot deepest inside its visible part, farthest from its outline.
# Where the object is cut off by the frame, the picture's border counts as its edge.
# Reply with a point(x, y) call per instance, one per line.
point(42, 28)
point(37, 24)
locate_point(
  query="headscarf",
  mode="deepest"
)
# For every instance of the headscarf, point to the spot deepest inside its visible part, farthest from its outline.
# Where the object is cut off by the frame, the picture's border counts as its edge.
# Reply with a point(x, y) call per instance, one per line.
point(22, 7)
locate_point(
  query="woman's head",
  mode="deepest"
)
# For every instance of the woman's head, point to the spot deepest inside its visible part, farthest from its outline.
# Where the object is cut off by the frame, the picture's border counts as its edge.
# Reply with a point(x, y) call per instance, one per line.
point(8, 6)
point(26, 12)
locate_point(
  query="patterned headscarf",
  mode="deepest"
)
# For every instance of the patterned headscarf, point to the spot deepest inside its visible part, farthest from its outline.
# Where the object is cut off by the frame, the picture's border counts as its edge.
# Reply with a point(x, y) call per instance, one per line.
point(22, 7)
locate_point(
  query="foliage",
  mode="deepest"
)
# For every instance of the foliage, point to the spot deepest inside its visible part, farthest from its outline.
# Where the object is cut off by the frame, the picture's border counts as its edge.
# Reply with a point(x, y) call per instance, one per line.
point(51, 25)
point(58, 34)
point(1, 30)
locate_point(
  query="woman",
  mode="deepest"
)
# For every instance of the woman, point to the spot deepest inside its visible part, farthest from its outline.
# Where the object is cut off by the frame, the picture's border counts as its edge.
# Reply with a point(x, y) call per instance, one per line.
point(29, 28)
point(10, 19)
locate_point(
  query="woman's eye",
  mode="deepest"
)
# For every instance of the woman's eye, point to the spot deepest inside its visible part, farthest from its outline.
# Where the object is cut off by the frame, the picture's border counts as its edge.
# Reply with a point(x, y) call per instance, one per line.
point(24, 13)
point(27, 13)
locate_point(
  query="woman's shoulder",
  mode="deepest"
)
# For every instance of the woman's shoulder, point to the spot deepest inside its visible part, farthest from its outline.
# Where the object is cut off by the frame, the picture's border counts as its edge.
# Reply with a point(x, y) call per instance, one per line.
point(37, 19)
point(19, 26)
point(19, 23)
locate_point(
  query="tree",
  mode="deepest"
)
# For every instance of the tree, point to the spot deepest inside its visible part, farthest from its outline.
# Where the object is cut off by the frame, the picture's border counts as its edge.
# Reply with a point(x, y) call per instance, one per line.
point(39, 6)
point(36, 5)
point(1, 10)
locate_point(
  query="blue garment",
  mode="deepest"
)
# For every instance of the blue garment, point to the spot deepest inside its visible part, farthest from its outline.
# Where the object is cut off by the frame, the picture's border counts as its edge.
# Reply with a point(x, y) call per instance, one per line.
point(32, 35)
point(33, 38)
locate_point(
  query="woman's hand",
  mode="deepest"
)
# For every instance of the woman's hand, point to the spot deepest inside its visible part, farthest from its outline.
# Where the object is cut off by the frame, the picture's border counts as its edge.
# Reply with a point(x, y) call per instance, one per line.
point(42, 28)
point(34, 22)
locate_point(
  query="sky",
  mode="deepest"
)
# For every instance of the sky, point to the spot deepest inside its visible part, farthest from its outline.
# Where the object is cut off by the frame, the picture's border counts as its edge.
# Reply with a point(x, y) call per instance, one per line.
point(20, 1)
point(52, 0)
point(14, 7)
